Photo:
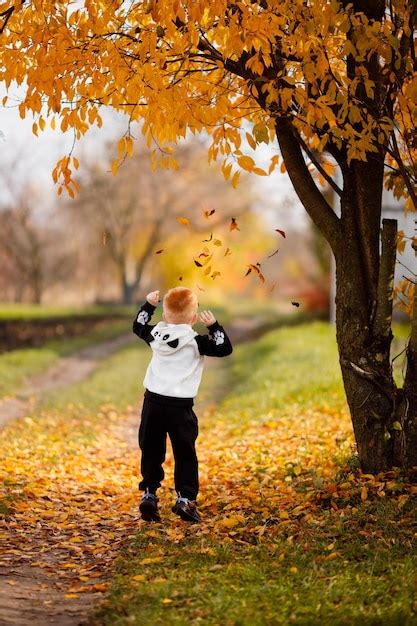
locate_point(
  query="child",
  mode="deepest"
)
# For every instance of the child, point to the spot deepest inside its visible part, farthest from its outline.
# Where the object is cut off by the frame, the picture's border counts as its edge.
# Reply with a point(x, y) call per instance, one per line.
point(171, 382)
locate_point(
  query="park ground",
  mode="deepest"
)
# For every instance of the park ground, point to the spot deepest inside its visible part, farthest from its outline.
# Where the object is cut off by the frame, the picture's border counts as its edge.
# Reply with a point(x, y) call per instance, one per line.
point(292, 531)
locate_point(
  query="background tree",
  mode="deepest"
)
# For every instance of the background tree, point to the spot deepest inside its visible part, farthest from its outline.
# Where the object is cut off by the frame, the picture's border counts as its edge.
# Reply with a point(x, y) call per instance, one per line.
point(128, 218)
point(334, 82)
point(35, 255)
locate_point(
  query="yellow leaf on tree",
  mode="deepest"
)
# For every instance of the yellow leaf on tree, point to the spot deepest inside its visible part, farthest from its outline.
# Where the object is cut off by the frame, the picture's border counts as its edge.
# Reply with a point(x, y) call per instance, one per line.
point(246, 162)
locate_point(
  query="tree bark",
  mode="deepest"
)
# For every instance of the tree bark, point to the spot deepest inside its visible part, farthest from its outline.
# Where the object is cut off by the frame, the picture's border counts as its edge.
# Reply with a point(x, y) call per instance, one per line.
point(128, 291)
point(383, 417)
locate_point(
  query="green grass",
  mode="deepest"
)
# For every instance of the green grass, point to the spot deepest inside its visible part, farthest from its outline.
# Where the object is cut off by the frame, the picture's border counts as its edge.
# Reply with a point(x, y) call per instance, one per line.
point(26, 312)
point(17, 365)
point(287, 367)
point(117, 380)
point(282, 576)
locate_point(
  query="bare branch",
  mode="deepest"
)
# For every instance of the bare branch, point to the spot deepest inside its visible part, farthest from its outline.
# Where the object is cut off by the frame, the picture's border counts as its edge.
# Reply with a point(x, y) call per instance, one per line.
point(313, 200)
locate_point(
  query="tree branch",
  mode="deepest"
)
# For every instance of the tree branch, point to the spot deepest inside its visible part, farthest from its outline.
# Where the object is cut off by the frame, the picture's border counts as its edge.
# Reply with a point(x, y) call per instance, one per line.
point(7, 15)
point(395, 153)
point(312, 199)
point(319, 166)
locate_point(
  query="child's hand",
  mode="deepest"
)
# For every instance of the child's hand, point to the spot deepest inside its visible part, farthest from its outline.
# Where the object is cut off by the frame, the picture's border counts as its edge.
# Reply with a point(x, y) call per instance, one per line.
point(153, 298)
point(207, 318)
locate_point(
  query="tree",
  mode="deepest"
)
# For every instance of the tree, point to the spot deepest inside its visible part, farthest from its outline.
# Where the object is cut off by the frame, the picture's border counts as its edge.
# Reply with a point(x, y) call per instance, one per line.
point(127, 218)
point(35, 255)
point(334, 82)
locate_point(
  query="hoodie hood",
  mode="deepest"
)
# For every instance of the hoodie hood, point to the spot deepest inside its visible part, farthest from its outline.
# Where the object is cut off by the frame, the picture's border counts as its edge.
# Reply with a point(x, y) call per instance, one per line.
point(169, 338)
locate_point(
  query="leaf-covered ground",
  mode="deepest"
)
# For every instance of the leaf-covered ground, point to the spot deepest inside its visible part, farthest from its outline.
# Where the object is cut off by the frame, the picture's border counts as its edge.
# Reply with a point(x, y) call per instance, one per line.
point(291, 533)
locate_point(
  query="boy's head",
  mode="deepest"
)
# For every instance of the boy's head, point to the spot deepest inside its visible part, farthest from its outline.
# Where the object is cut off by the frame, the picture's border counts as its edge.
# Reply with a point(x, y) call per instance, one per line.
point(180, 306)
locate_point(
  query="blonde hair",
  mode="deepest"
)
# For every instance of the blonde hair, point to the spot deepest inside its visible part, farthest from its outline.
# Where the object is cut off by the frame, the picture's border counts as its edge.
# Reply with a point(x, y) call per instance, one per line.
point(180, 305)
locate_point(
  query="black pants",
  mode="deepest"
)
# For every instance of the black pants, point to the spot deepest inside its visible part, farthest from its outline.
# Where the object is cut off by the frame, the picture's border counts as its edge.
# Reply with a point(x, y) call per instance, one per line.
point(162, 415)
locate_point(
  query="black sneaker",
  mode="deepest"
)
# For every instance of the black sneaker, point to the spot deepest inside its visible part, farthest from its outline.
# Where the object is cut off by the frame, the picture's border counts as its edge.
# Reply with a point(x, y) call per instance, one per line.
point(187, 510)
point(148, 507)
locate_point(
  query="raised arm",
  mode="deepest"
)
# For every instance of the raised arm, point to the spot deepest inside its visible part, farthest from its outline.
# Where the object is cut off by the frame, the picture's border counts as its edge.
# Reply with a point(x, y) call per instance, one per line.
point(141, 326)
point(216, 343)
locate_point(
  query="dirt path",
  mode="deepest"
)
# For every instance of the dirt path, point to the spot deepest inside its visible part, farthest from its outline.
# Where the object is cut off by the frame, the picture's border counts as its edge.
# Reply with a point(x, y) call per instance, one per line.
point(31, 595)
point(66, 371)
point(76, 367)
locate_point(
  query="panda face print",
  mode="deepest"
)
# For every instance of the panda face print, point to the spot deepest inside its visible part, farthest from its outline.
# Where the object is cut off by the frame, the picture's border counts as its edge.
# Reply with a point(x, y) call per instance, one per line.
point(164, 337)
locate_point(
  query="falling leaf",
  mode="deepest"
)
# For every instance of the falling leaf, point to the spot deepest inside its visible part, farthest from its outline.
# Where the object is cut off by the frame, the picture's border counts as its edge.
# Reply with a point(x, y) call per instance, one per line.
point(198, 263)
point(200, 288)
point(273, 254)
point(257, 269)
point(184, 221)
point(281, 232)
point(214, 274)
point(297, 304)
point(233, 225)
point(159, 251)
point(228, 252)
point(209, 213)
point(217, 242)
point(166, 601)
point(209, 239)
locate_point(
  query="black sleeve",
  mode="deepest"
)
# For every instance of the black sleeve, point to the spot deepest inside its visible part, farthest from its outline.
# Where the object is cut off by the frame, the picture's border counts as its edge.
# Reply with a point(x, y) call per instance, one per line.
point(216, 343)
point(141, 328)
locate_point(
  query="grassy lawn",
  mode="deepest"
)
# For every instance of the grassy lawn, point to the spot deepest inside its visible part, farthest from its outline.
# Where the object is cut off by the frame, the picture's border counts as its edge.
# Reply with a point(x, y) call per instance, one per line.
point(17, 365)
point(33, 311)
point(292, 532)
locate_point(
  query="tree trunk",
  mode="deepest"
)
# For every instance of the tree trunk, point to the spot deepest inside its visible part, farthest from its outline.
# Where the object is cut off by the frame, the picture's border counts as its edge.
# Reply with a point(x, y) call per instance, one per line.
point(384, 417)
point(364, 354)
point(407, 412)
point(365, 365)
point(128, 290)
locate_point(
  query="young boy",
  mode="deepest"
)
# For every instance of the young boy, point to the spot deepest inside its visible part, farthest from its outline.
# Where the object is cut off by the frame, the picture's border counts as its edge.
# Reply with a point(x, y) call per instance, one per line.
point(171, 382)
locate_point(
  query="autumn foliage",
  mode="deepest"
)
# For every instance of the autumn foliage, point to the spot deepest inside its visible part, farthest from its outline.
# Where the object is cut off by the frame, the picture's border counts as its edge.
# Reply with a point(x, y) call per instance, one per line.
point(192, 66)
point(332, 83)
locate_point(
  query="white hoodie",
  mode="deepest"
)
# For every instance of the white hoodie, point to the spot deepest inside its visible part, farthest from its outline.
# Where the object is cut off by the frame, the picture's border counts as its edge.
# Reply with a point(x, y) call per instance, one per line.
point(176, 366)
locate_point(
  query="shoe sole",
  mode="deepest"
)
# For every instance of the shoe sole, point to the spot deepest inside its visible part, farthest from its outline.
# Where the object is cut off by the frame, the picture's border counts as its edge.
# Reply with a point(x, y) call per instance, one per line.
point(147, 510)
point(184, 515)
